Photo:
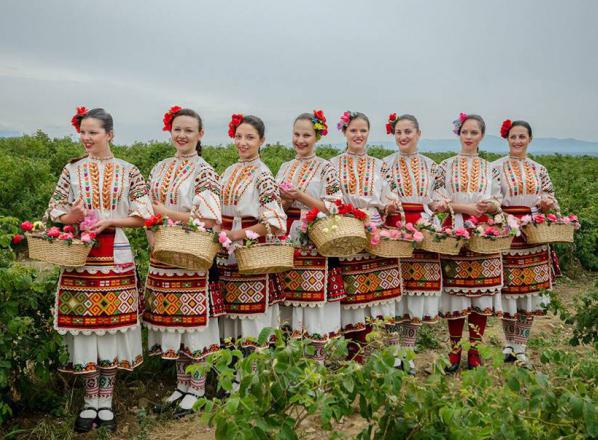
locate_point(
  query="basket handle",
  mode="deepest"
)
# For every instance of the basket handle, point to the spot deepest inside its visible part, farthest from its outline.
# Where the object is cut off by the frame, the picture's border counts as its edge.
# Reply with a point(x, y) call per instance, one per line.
point(452, 214)
point(269, 234)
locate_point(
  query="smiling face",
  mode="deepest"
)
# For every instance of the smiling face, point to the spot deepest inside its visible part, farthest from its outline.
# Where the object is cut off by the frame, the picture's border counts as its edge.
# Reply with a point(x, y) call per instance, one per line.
point(304, 138)
point(471, 135)
point(185, 134)
point(247, 141)
point(94, 137)
point(357, 135)
point(406, 136)
point(519, 140)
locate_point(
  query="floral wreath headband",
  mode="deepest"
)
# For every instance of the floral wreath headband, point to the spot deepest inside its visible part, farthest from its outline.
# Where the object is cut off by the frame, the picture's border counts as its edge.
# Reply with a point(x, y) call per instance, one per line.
point(457, 123)
point(505, 128)
point(320, 126)
point(345, 120)
point(169, 117)
point(392, 123)
point(236, 120)
point(76, 120)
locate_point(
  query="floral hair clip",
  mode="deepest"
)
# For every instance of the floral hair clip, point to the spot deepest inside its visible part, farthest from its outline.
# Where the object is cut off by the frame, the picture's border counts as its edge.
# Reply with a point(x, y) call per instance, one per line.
point(236, 120)
point(169, 116)
point(76, 120)
point(392, 123)
point(345, 120)
point(505, 127)
point(320, 126)
point(457, 123)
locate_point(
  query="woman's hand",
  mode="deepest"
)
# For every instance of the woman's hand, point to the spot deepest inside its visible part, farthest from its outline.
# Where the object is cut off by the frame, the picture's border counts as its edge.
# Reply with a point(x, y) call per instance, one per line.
point(101, 225)
point(546, 204)
point(75, 215)
point(235, 235)
point(472, 209)
point(290, 194)
point(391, 209)
point(159, 208)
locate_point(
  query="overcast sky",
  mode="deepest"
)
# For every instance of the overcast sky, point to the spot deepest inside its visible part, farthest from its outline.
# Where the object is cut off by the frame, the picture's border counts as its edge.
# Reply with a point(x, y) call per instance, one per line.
point(533, 59)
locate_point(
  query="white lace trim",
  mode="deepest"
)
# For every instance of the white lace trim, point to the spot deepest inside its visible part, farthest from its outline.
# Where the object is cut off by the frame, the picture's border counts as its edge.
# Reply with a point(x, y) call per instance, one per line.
point(99, 269)
point(369, 304)
point(527, 251)
point(310, 304)
point(97, 332)
point(174, 272)
point(181, 330)
point(479, 291)
point(421, 293)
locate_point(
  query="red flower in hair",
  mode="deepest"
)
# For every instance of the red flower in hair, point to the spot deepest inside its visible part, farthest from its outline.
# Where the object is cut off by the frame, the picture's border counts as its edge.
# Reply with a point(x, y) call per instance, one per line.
point(76, 121)
point(236, 120)
point(392, 121)
point(320, 115)
point(505, 127)
point(169, 116)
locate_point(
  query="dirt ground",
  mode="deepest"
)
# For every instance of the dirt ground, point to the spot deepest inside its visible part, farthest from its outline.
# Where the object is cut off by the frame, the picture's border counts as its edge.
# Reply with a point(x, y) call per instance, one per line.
point(136, 396)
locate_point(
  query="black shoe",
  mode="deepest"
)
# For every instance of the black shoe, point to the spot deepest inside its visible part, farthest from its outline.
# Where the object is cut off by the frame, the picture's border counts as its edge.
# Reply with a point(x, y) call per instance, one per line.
point(179, 413)
point(83, 424)
point(452, 368)
point(108, 424)
point(509, 356)
point(167, 406)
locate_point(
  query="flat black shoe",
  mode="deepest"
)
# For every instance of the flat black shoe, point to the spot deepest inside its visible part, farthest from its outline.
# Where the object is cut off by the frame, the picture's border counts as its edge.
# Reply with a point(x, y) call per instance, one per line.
point(108, 424)
point(452, 368)
point(180, 413)
point(509, 358)
point(83, 424)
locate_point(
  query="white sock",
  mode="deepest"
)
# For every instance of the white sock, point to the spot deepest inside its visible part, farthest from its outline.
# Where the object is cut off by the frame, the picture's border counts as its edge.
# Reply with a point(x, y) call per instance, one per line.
point(92, 388)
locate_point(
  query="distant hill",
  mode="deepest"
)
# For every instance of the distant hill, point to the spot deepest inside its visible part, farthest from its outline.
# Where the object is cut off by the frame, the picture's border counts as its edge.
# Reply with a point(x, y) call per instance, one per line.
point(495, 144)
point(9, 133)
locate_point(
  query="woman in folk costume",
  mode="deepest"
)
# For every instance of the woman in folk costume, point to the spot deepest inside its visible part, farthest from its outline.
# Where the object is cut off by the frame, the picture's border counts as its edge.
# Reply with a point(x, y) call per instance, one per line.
point(372, 284)
point(97, 304)
point(471, 282)
point(251, 204)
point(182, 305)
point(411, 176)
point(314, 288)
point(526, 189)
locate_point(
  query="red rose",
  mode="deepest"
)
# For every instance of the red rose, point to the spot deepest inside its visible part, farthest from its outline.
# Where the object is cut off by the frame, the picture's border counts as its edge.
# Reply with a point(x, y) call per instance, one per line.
point(551, 217)
point(69, 228)
point(359, 214)
point(392, 117)
point(338, 202)
point(319, 114)
point(92, 235)
point(26, 226)
point(53, 232)
point(324, 132)
point(169, 116)
point(505, 127)
point(17, 239)
point(539, 218)
point(388, 128)
point(311, 215)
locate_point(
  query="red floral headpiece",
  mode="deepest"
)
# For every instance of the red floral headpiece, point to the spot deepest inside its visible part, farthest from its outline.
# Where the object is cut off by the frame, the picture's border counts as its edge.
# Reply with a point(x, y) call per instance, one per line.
point(236, 120)
point(505, 128)
point(457, 123)
point(320, 126)
point(169, 116)
point(392, 122)
point(76, 120)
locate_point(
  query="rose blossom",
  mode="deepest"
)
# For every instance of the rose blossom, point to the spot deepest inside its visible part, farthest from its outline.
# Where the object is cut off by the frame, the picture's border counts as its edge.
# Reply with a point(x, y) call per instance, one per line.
point(418, 236)
point(26, 226)
point(251, 235)
point(53, 232)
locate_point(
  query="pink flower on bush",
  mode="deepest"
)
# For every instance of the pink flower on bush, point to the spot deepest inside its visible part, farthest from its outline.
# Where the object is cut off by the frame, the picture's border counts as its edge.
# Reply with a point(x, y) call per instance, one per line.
point(53, 232)
point(26, 226)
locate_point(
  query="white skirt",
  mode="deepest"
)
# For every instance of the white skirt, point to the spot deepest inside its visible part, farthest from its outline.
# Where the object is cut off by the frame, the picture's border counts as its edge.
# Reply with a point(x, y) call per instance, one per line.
point(356, 318)
point(87, 353)
point(195, 344)
point(321, 322)
point(418, 308)
point(460, 306)
point(528, 304)
point(250, 327)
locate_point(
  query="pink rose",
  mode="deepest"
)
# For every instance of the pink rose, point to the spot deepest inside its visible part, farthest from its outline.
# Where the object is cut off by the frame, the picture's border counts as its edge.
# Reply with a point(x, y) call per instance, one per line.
point(448, 231)
point(490, 221)
point(374, 239)
point(69, 229)
point(474, 220)
point(539, 218)
point(526, 219)
point(395, 234)
point(418, 236)
point(65, 236)
point(410, 227)
point(53, 232)
point(251, 235)
point(409, 236)
point(461, 232)
point(565, 220)
point(303, 227)
point(286, 186)
point(86, 238)
point(385, 233)
point(224, 240)
point(551, 217)
point(573, 218)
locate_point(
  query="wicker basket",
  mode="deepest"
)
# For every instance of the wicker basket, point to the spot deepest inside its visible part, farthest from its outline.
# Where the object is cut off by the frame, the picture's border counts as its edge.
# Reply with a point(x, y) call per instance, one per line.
point(483, 245)
point(57, 251)
point(548, 233)
point(447, 245)
point(391, 248)
point(194, 250)
point(265, 258)
point(348, 238)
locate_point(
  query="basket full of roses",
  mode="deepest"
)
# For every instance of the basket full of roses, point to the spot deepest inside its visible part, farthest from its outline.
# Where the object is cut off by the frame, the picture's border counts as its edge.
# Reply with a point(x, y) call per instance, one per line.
point(549, 228)
point(493, 236)
point(442, 239)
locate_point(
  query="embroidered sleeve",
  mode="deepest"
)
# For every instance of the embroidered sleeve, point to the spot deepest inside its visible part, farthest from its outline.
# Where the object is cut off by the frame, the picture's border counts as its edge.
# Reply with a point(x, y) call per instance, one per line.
point(63, 196)
point(387, 175)
point(207, 199)
point(140, 204)
point(270, 208)
point(439, 191)
point(495, 188)
point(331, 186)
point(546, 188)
